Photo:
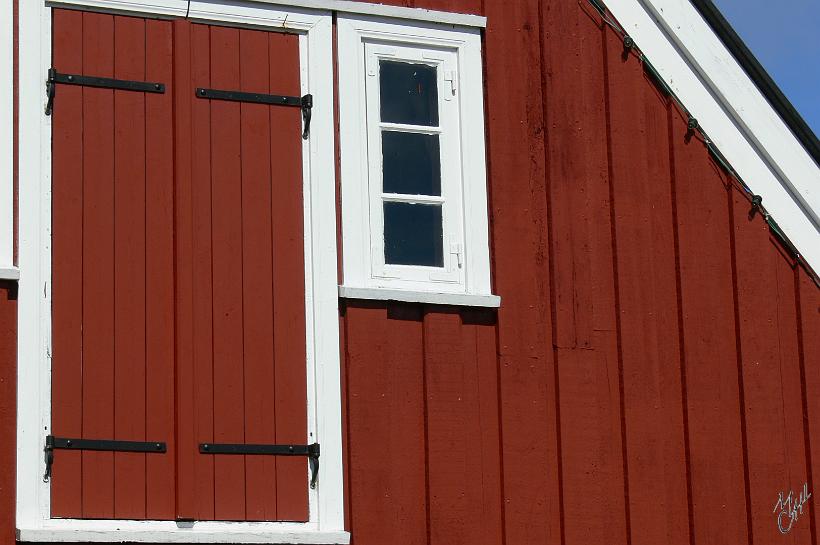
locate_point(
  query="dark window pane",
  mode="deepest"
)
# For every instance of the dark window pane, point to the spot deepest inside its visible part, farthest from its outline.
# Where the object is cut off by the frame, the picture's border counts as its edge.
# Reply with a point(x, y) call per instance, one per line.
point(409, 93)
point(412, 164)
point(413, 234)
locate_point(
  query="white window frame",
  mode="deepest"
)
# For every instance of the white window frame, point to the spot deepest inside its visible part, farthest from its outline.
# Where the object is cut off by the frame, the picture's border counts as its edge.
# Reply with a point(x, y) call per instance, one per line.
point(326, 516)
point(456, 50)
point(7, 269)
point(451, 274)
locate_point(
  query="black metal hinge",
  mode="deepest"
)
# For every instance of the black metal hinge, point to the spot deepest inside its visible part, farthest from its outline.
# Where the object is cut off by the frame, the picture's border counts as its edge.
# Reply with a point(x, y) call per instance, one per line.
point(55, 443)
point(311, 451)
point(55, 77)
point(304, 102)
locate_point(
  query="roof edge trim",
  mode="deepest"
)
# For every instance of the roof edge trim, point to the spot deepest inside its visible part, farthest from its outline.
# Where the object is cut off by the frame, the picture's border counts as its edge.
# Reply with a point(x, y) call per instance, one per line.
point(737, 47)
point(739, 120)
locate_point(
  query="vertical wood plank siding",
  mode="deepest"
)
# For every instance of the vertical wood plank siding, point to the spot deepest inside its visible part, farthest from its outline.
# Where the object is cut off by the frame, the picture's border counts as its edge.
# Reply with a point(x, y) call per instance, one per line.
point(8, 410)
point(652, 374)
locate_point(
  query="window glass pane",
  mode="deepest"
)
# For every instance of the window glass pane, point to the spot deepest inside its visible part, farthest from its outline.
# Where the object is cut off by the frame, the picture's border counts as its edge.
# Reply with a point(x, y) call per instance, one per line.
point(413, 234)
point(412, 164)
point(408, 93)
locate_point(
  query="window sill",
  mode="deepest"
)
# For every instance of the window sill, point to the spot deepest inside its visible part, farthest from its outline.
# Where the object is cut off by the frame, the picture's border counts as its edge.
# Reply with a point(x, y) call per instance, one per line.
point(9, 273)
point(152, 531)
point(432, 298)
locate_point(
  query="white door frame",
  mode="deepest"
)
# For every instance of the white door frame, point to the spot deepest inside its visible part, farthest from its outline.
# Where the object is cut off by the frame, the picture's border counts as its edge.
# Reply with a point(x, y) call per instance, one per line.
point(326, 519)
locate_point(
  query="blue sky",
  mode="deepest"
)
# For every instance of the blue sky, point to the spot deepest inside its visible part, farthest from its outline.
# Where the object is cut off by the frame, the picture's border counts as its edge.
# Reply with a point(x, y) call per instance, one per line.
point(784, 35)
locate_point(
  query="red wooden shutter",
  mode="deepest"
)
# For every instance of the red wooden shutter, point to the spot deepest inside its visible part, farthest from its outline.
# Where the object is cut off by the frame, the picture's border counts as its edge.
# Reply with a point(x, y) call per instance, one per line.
point(244, 279)
point(178, 272)
point(112, 365)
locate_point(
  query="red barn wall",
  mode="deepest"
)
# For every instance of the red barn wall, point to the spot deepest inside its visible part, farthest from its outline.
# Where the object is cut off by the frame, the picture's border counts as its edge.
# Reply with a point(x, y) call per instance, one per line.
point(652, 374)
point(8, 409)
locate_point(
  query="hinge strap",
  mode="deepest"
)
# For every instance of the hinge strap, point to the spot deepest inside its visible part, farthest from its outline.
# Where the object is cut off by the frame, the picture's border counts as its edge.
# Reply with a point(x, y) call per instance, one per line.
point(307, 110)
point(55, 77)
point(54, 443)
point(304, 102)
point(311, 451)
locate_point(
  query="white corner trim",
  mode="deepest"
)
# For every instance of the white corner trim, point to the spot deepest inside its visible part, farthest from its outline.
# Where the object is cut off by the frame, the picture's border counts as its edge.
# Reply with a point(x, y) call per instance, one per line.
point(734, 113)
point(6, 139)
point(170, 8)
point(407, 296)
point(9, 273)
point(326, 502)
point(101, 531)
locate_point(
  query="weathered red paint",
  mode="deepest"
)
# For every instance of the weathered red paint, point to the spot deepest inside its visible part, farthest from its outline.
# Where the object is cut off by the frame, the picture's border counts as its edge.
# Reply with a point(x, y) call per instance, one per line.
point(8, 410)
point(651, 376)
point(653, 361)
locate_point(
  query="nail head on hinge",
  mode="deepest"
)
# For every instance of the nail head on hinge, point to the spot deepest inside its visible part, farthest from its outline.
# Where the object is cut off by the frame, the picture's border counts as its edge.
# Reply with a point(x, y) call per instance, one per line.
point(629, 43)
point(692, 124)
point(757, 201)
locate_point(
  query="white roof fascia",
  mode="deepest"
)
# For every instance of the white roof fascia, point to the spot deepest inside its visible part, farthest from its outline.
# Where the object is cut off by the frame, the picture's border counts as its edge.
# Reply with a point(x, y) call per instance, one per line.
point(716, 90)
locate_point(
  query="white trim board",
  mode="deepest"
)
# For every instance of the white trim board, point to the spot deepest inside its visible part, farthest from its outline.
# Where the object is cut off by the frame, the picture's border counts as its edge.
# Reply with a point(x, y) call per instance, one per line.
point(408, 296)
point(9, 273)
point(179, 7)
point(713, 86)
point(326, 520)
point(383, 10)
point(153, 531)
point(6, 138)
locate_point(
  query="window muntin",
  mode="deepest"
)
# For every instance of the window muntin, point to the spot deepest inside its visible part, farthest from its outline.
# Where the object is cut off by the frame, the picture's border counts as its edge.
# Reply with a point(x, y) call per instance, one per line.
point(415, 199)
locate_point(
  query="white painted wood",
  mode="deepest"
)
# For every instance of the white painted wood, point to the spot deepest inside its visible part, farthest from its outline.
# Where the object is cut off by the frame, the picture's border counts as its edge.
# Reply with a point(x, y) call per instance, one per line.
point(254, 14)
point(154, 8)
point(361, 42)
point(6, 142)
point(383, 10)
point(733, 112)
point(177, 7)
point(326, 505)
point(101, 531)
point(324, 380)
point(33, 375)
point(407, 296)
point(9, 273)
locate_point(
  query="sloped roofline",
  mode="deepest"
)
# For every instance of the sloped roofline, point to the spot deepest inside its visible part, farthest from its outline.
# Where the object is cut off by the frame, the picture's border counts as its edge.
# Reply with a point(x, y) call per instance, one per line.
point(739, 118)
point(737, 47)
